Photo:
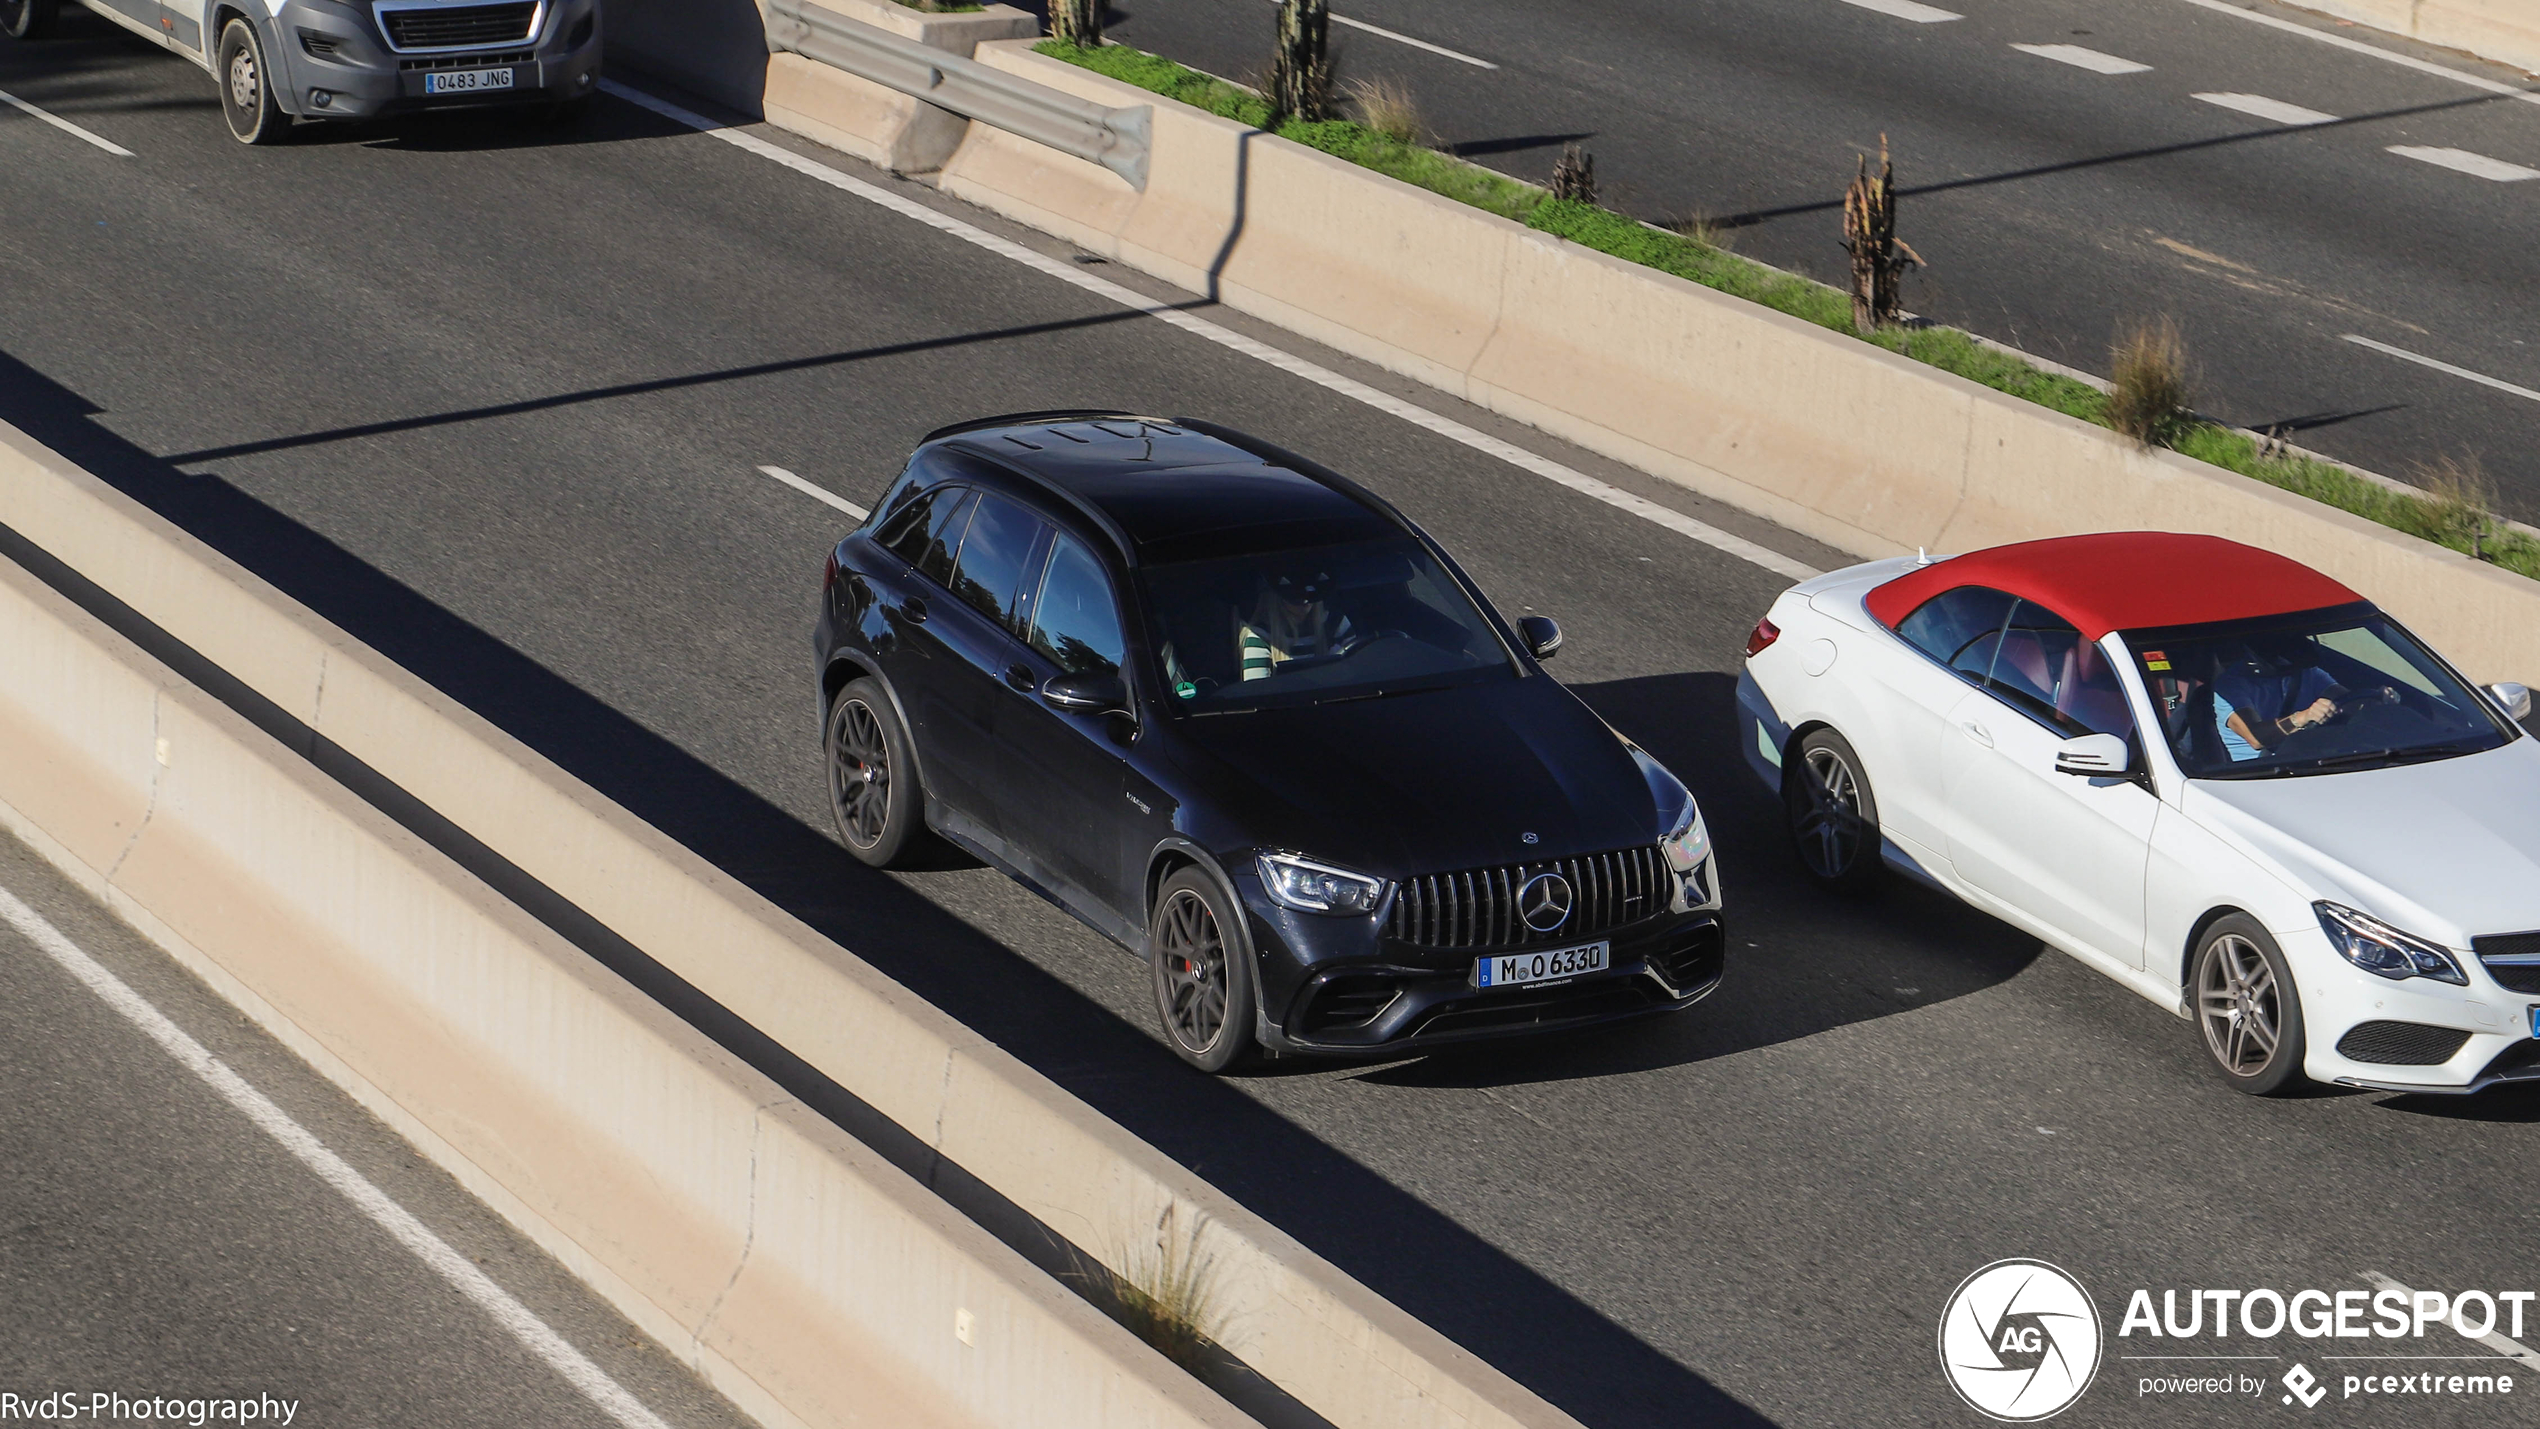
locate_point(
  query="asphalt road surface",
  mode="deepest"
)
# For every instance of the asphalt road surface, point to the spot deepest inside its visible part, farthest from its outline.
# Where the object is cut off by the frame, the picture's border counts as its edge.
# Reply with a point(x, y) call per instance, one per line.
point(495, 399)
point(2053, 201)
point(157, 1245)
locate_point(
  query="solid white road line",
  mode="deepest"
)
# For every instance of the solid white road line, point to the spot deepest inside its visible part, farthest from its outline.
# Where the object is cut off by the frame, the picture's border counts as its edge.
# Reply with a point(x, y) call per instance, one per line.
point(2465, 162)
point(2081, 58)
point(2265, 108)
point(2474, 81)
point(1908, 10)
point(814, 492)
point(532, 1332)
point(2421, 360)
point(67, 127)
point(1402, 39)
point(2510, 1349)
point(1262, 352)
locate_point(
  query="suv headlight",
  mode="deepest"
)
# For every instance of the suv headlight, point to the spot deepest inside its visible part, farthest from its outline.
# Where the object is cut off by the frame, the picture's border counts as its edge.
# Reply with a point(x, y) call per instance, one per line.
point(1688, 847)
point(2384, 951)
point(1303, 884)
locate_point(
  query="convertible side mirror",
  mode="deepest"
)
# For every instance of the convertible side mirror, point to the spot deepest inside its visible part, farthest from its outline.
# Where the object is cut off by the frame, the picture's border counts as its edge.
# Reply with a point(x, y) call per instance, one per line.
point(1086, 694)
point(1542, 635)
point(2515, 698)
point(2099, 756)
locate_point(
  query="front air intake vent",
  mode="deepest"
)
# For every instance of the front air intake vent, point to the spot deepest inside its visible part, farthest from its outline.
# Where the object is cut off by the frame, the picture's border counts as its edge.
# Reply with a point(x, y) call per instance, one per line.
point(2512, 959)
point(2400, 1044)
point(1478, 908)
point(450, 27)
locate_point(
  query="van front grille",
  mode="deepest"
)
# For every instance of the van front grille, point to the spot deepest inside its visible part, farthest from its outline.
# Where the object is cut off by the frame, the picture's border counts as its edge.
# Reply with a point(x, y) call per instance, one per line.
point(443, 27)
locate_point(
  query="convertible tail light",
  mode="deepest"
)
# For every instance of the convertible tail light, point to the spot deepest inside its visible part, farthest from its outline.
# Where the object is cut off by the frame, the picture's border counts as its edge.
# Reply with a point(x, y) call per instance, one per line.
point(1766, 632)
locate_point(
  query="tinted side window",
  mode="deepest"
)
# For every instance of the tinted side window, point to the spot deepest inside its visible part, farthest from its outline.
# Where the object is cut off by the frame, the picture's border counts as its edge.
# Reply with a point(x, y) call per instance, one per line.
point(1960, 628)
point(1076, 622)
point(927, 530)
point(1000, 540)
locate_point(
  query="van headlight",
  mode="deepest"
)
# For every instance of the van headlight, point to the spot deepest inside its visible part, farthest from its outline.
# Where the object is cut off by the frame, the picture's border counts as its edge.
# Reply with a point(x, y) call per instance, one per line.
point(1294, 881)
point(1687, 847)
point(2384, 951)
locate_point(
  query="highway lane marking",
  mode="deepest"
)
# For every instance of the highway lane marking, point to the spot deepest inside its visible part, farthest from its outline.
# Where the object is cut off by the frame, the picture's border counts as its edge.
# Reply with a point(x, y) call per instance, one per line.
point(2421, 360)
point(559, 1355)
point(2510, 1349)
point(2359, 47)
point(1908, 10)
point(2083, 58)
point(67, 127)
point(814, 492)
point(1171, 313)
point(2265, 108)
point(2464, 162)
point(1402, 39)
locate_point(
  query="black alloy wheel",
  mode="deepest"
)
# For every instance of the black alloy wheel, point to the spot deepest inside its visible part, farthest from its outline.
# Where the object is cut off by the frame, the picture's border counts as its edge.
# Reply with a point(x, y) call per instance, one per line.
point(2248, 1012)
point(872, 793)
point(1203, 991)
point(1834, 819)
point(247, 97)
point(29, 19)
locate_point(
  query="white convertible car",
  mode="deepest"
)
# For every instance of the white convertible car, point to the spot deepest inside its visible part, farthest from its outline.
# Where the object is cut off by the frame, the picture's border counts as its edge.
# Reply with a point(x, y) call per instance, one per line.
point(2208, 771)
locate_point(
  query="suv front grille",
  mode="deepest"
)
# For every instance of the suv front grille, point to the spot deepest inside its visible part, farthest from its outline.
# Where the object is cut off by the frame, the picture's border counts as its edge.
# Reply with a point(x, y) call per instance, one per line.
point(2512, 959)
point(1477, 908)
point(449, 27)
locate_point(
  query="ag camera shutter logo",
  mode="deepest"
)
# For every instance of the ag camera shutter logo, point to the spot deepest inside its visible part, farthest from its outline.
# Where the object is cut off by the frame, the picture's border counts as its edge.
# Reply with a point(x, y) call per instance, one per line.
point(2019, 1341)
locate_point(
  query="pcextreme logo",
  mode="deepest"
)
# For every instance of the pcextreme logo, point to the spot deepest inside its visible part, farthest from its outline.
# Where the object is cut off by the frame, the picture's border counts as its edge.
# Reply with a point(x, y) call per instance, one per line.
point(2019, 1340)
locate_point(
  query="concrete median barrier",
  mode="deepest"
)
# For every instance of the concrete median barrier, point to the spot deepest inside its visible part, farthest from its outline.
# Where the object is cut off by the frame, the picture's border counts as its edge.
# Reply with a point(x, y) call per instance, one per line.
point(2506, 30)
point(1300, 1323)
point(807, 1278)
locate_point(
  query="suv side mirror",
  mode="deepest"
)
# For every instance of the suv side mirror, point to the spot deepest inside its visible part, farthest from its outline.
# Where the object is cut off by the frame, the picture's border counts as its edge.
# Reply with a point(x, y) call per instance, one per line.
point(2099, 756)
point(1087, 694)
point(2515, 698)
point(1542, 635)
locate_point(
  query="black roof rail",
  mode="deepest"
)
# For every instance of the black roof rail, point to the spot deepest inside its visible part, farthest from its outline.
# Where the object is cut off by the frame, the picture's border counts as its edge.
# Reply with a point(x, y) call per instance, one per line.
point(1029, 419)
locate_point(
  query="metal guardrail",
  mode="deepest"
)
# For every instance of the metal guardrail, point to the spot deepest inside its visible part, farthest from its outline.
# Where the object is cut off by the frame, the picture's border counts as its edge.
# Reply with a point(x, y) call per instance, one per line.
point(1114, 138)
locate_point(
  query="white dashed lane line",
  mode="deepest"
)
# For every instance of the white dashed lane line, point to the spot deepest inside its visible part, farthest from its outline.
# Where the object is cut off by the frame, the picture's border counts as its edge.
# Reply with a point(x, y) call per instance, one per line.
point(2421, 360)
point(2083, 58)
point(2265, 108)
point(1400, 38)
point(2464, 162)
point(67, 127)
point(2225, 7)
point(816, 493)
point(1908, 10)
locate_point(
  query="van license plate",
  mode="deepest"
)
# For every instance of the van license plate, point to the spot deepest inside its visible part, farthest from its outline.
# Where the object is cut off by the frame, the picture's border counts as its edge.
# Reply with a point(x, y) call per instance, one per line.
point(1550, 965)
point(466, 81)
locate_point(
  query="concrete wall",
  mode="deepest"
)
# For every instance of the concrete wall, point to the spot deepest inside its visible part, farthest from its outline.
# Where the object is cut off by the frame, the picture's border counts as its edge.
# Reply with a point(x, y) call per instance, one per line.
point(1317, 1334)
point(809, 1280)
point(2507, 30)
point(1852, 445)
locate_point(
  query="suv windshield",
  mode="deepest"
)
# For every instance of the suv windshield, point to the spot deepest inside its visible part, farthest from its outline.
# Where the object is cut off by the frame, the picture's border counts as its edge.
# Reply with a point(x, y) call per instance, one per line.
point(1315, 624)
point(2332, 692)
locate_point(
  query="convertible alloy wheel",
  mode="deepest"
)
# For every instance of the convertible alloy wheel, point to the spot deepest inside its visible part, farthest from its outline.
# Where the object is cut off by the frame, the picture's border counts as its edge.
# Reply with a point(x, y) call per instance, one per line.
point(1833, 819)
point(2248, 1009)
point(860, 774)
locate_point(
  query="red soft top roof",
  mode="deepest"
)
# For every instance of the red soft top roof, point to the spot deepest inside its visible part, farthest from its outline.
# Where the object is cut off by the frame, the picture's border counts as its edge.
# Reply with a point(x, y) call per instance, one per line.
point(2124, 580)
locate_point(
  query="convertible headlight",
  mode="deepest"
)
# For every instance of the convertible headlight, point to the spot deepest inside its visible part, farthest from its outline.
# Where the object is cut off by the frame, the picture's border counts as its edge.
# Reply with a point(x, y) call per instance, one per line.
point(1311, 887)
point(2378, 948)
point(1688, 847)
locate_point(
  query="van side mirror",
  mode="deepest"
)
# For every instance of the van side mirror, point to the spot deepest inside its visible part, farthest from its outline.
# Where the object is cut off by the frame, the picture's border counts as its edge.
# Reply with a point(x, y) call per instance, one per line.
point(1542, 635)
point(1086, 694)
point(2098, 756)
point(2515, 698)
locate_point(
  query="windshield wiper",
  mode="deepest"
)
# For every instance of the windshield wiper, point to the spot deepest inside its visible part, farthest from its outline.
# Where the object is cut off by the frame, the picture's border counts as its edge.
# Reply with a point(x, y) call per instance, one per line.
point(2405, 754)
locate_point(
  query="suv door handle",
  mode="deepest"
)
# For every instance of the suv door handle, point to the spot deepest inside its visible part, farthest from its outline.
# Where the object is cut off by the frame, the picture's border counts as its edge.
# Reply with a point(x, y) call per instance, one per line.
point(1977, 732)
point(1019, 677)
point(913, 610)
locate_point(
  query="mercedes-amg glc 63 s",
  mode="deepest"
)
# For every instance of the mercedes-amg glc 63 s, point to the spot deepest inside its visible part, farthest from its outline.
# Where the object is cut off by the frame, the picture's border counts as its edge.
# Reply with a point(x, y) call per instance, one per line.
point(1237, 713)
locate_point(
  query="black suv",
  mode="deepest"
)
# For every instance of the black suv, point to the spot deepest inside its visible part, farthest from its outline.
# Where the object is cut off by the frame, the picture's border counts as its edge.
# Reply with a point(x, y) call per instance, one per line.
point(1233, 710)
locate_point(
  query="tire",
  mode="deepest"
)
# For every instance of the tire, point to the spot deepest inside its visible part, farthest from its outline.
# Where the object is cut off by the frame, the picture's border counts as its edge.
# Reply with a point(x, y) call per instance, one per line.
point(2247, 1008)
point(247, 98)
point(873, 791)
point(1833, 816)
point(1203, 984)
point(29, 19)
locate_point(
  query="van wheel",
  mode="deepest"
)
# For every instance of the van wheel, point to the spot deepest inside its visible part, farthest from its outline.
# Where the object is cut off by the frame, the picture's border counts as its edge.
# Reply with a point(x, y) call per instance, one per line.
point(247, 97)
point(29, 19)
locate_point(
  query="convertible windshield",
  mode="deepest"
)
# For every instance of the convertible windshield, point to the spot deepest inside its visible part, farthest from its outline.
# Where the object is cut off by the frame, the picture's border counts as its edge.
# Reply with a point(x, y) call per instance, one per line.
point(2334, 692)
point(1314, 625)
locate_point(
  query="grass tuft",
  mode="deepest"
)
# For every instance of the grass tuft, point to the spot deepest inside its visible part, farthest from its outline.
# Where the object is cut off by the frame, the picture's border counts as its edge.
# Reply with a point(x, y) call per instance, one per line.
point(2149, 379)
point(1168, 1294)
point(1386, 107)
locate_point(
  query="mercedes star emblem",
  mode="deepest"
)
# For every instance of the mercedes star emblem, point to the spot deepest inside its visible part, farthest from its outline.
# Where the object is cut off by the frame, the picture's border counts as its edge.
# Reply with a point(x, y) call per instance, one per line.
point(1544, 902)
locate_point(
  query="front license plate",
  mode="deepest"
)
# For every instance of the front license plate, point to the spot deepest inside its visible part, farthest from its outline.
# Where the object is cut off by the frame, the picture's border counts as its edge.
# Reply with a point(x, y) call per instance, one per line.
point(466, 81)
point(1555, 964)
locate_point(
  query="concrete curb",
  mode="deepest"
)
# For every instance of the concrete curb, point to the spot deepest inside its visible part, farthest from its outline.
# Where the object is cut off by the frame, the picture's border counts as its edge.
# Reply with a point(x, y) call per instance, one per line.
point(2507, 31)
point(806, 1278)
